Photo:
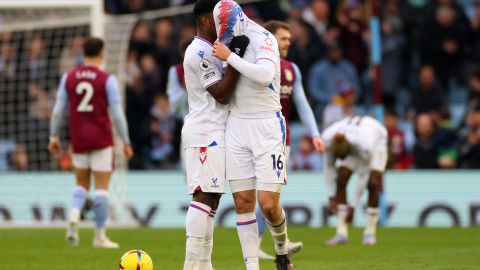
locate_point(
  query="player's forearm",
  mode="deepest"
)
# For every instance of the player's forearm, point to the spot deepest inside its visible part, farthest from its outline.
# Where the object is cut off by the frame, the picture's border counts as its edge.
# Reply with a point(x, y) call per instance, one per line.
point(223, 90)
point(305, 111)
point(261, 72)
point(56, 120)
point(120, 122)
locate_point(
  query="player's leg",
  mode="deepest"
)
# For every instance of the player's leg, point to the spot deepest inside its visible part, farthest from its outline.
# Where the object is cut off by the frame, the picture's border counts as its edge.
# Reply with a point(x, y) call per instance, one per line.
point(341, 236)
point(79, 196)
point(245, 200)
point(241, 173)
point(378, 163)
point(101, 162)
point(262, 229)
point(369, 235)
point(205, 171)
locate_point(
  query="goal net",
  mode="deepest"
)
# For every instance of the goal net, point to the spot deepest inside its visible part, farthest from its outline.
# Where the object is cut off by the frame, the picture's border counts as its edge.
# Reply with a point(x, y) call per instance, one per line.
point(39, 41)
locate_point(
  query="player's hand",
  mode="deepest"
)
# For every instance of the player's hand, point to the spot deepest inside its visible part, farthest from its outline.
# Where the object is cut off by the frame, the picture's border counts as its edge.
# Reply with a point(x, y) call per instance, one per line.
point(54, 146)
point(221, 51)
point(239, 45)
point(128, 151)
point(318, 144)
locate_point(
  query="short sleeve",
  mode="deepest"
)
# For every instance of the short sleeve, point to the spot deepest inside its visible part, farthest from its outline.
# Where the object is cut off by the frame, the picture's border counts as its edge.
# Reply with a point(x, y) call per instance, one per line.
point(208, 72)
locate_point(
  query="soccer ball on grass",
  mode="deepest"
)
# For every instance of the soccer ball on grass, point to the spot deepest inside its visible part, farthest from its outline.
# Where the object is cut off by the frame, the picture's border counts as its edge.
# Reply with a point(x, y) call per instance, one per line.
point(136, 260)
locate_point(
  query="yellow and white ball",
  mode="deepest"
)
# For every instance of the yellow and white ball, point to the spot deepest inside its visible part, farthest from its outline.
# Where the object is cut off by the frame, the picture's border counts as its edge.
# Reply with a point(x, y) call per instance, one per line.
point(136, 260)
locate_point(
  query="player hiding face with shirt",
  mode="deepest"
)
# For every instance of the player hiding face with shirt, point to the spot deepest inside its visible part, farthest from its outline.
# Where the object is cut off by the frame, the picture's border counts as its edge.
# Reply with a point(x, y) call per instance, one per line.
point(90, 93)
point(255, 135)
point(203, 134)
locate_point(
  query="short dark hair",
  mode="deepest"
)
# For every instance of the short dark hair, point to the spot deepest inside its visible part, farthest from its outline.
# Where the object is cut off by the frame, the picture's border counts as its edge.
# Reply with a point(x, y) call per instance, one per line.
point(273, 26)
point(92, 46)
point(202, 7)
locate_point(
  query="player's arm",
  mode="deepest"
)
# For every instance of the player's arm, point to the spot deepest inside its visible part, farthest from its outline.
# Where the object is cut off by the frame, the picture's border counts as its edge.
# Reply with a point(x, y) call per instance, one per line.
point(305, 111)
point(261, 72)
point(118, 116)
point(223, 89)
point(56, 120)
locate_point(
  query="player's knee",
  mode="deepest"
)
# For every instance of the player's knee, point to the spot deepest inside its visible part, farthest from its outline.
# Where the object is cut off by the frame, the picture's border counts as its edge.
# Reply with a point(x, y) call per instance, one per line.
point(210, 199)
point(271, 210)
point(244, 204)
point(374, 181)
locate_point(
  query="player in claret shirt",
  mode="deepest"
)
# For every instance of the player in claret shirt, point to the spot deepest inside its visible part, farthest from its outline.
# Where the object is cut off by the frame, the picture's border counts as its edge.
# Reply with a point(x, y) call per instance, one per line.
point(90, 93)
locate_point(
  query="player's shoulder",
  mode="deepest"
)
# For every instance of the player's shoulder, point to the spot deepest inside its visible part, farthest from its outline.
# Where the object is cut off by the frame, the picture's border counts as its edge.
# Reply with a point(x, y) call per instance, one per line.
point(197, 51)
point(261, 36)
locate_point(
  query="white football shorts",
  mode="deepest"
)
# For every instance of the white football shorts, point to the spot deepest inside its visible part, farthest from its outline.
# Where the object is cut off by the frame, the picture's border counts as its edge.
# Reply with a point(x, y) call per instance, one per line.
point(205, 169)
point(255, 148)
point(97, 160)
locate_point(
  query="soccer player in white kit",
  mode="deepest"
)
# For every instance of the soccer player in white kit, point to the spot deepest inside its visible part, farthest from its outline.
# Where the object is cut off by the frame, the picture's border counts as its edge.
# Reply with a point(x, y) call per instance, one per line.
point(203, 133)
point(355, 144)
point(255, 134)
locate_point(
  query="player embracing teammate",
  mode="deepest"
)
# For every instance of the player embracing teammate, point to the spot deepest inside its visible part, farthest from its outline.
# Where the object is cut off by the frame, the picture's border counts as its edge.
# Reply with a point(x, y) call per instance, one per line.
point(255, 135)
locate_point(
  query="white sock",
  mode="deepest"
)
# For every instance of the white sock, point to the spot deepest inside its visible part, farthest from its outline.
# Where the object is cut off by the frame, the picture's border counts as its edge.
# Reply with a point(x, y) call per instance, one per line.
point(372, 220)
point(100, 233)
point(278, 229)
point(196, 227)
point(79, 197)
point(207, 244)
point(342, 227)
point(247, 229)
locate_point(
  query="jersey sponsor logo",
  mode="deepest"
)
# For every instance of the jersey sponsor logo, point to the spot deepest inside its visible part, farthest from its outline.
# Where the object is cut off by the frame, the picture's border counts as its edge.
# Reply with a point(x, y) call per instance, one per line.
point(204, 65)
point(286, 90)
point(201, 54)
point(268, 41)
point(266, 48)
point(202, 152)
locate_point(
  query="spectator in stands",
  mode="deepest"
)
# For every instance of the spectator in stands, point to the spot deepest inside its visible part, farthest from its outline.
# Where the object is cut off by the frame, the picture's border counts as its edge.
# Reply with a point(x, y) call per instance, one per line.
point(469, 143)
point(165, 48)
point(318, 16)
point(434, 147)
point(137, 112)
point(474, 95)
point(428, 97)
point(353, 33)
point(443, 38)
point(152, 76)
point(326, 76)
point(307, 158)
point(19, 159)
point(36, 62)
point(141, 41)
point(393, 45)
point(162, 127)
point(341, 106)
point(398, 158)
point(306, 47)
point(8, 62)
point(475, 47)
point(72, 54)
point(40, 108)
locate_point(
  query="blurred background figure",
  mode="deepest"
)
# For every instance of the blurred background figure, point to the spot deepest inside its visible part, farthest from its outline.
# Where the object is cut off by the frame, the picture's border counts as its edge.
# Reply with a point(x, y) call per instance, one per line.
point(307, 159)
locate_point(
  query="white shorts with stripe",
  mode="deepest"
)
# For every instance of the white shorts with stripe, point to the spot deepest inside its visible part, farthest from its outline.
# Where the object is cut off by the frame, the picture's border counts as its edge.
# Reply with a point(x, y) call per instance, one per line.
point(205, 168)
point(255, 148)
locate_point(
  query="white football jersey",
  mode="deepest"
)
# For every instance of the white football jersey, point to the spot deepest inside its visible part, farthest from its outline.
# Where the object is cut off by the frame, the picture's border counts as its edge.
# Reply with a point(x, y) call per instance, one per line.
point(364, 133)
point(206, 119)
point(251, 99)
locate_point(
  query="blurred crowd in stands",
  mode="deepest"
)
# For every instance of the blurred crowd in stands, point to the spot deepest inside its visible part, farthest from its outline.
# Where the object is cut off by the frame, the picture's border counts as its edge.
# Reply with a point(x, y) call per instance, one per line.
point(430, 77)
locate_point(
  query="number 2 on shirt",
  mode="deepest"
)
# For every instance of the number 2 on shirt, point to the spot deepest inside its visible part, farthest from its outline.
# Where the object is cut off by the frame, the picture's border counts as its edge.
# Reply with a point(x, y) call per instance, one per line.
point(85, 89)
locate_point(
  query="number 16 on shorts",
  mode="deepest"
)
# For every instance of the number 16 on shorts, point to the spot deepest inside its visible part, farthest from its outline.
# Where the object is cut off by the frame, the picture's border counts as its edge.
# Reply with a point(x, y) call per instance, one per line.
point(279, 166)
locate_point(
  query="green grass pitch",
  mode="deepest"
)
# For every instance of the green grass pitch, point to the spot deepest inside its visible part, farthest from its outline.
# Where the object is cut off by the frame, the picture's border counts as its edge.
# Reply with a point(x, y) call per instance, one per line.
point(42, 249)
